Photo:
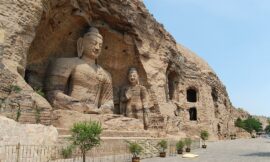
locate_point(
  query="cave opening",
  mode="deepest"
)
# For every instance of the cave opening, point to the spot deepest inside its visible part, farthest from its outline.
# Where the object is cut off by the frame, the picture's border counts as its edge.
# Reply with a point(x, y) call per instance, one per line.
point(193, 114)
point(191, 95)
point(53, 41)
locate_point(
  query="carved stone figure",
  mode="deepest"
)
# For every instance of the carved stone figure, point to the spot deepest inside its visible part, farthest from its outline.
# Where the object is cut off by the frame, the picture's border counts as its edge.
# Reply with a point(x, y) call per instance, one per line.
point(134, 99)
point(79, 83)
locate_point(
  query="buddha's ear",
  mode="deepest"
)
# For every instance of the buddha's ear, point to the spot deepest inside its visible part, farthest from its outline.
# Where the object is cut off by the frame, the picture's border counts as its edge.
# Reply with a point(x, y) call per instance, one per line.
point(80, 47)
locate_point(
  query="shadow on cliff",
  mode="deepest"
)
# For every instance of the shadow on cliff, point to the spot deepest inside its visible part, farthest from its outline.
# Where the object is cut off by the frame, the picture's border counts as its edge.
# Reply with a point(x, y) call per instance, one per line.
point(259, 154)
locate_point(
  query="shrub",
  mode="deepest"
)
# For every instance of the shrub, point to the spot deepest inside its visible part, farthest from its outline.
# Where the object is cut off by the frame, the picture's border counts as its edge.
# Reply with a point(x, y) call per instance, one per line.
point(239, 123)
point(163, 144)
point(86, 135)
point(249, 124)
point(135, 149)
point(252, 124)
point(188, 142)
point(180, 145)
point(204, 135)
point(67, 152)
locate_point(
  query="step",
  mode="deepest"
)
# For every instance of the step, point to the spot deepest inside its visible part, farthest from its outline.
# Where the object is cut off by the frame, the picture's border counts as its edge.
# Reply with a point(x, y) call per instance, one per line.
point(114, 133)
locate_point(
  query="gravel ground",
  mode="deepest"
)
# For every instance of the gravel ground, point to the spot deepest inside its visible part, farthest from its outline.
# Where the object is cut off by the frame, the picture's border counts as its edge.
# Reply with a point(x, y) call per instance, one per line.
point(240, 150)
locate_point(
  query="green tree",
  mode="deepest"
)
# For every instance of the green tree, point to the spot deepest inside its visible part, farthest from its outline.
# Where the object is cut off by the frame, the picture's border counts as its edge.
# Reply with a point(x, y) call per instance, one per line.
point(86, 135)
point(239, 123)
point(251, 124)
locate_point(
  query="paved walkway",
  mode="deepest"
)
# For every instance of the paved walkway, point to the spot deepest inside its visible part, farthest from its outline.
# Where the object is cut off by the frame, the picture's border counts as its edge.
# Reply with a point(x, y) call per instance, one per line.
point(240, 150)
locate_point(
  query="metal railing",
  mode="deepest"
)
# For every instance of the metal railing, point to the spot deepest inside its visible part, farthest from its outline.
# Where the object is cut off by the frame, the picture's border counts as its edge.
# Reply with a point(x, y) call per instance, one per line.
point(113, 151)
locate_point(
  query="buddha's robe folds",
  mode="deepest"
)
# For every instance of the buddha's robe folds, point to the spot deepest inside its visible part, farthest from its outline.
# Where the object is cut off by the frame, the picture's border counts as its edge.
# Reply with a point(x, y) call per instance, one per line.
point(73, 84)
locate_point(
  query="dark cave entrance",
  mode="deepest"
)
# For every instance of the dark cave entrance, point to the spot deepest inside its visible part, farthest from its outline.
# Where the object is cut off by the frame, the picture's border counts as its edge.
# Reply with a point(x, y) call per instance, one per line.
point(191, 95)
point(193, 114)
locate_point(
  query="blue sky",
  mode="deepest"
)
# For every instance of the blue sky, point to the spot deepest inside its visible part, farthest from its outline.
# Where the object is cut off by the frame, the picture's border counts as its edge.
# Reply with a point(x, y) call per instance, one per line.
point(233, 36)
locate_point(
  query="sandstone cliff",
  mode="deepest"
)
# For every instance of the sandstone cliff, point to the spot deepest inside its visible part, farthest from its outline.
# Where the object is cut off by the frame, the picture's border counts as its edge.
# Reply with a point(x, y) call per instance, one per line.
point(183, 88)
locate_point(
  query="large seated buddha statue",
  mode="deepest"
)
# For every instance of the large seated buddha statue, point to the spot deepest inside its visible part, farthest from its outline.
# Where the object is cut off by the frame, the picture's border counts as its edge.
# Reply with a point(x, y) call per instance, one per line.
point(79, 83)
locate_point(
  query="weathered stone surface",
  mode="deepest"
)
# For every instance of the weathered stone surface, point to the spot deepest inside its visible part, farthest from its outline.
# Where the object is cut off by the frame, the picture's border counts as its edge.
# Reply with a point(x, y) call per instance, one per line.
point(184, 91)
point(13, 133)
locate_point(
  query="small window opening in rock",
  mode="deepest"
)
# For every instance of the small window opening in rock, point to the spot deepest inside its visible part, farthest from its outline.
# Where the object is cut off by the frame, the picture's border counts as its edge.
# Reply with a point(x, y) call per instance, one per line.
point(191, 95)
point(69, 33)
point(124, 50)
point(106, 47)
point(193, 114)
point(214, 94)
point(173, 85)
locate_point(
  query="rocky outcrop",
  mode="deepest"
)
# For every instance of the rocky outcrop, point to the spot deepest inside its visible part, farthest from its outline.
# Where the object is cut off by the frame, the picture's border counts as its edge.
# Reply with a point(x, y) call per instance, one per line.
point(186, 94)
point(13, 133)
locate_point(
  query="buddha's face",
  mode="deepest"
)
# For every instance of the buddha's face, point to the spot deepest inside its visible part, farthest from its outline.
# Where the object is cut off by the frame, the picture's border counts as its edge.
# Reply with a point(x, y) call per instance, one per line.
point(133, 78)
point(92, 46)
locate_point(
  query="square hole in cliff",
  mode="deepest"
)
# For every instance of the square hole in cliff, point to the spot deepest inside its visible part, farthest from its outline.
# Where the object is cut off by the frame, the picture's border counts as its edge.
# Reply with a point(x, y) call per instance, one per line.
point(191, 95)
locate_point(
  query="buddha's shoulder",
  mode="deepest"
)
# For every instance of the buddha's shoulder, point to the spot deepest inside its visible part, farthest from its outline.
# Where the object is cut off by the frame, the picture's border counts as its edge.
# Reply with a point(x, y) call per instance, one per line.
point(68, 61)
point(63, 66)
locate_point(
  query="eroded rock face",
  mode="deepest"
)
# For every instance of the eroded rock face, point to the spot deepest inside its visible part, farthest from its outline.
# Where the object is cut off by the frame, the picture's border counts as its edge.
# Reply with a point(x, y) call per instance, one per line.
point(186, 94)
point(13, 133)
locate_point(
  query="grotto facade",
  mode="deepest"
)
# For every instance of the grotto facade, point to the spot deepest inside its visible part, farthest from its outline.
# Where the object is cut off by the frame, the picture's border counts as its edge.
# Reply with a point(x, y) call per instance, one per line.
point(176, 92)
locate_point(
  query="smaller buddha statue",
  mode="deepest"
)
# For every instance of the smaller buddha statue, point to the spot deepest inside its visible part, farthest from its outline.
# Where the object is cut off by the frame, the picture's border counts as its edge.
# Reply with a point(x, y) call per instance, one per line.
point(134, 99)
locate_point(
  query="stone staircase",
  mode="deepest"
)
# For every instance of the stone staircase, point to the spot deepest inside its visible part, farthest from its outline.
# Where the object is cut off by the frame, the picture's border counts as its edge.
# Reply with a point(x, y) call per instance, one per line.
point(149, 146)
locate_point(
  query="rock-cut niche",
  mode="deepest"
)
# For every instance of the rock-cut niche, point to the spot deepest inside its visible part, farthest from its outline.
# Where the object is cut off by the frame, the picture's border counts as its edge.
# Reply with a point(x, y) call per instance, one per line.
point(56, 37)
point(172, 84)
